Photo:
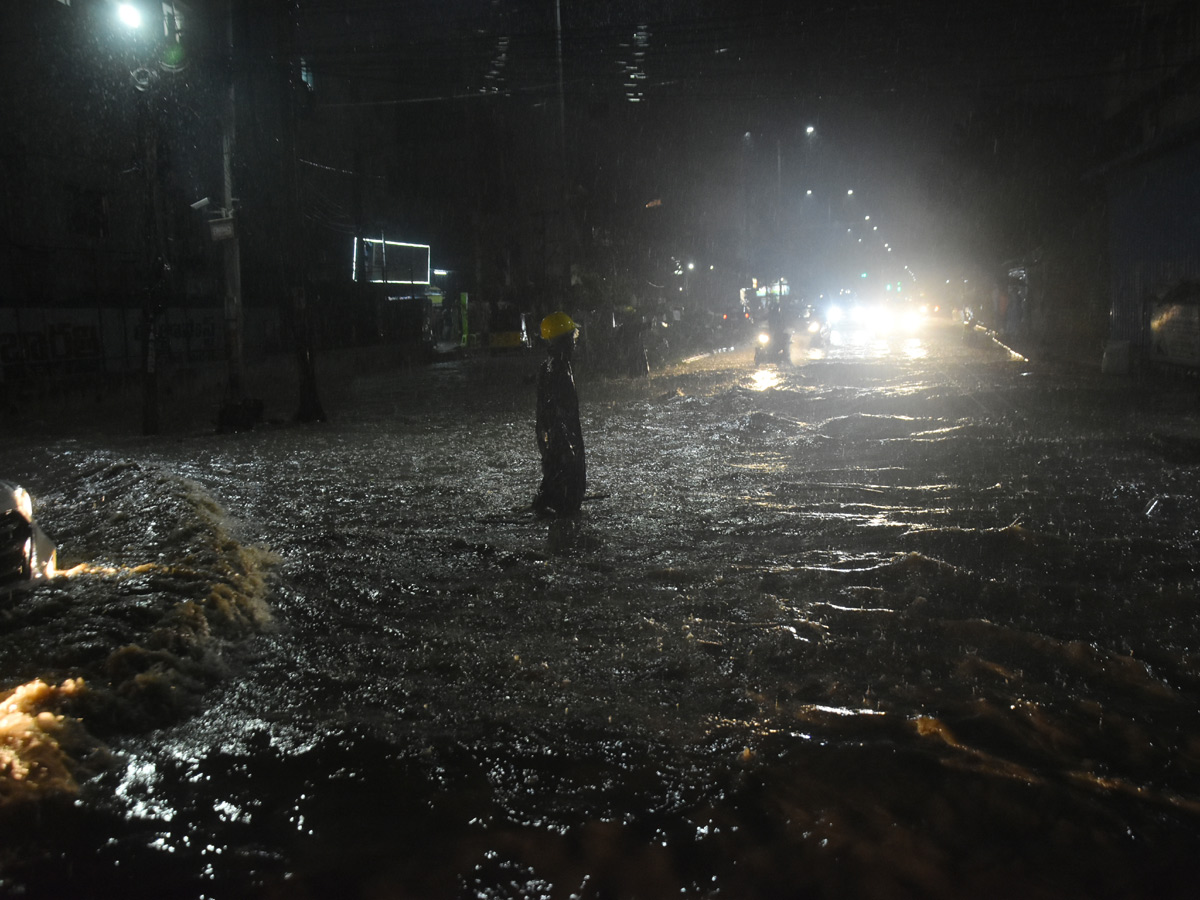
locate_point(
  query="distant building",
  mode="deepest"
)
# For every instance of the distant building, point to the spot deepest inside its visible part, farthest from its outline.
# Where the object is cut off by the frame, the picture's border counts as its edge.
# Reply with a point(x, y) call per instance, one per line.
point(1153, 187)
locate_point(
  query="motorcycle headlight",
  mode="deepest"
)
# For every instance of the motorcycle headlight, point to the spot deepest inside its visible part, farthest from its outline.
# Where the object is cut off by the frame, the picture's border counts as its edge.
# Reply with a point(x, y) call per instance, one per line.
point(814, 326)
point(764, 338)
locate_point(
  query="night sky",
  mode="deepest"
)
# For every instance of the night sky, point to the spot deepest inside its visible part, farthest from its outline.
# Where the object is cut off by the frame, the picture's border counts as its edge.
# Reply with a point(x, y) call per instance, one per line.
point(703, 108)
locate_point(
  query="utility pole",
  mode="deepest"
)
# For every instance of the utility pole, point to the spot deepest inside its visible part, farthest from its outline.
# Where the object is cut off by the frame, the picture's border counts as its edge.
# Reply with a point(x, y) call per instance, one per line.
point(564, 227)
point(296, 269)
point(778, 177)
point(236, 413)
point(156, 268)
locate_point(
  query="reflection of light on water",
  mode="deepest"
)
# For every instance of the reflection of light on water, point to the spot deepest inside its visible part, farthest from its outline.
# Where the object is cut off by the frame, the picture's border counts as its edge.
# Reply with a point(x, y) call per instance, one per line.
point(86, 569)
point(765, 379)
point(140, 790)
point(755, 726)
point(807, 713)
point(843, 711)
point(94, 569)
point(868, 343)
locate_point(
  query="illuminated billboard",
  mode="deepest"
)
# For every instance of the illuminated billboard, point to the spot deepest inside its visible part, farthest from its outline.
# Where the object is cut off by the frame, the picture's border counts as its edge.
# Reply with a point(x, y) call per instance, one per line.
point(390, 262)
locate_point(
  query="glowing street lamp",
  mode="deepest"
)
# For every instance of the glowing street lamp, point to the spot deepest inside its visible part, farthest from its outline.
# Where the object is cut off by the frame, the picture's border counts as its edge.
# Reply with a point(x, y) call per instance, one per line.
point(130, 15)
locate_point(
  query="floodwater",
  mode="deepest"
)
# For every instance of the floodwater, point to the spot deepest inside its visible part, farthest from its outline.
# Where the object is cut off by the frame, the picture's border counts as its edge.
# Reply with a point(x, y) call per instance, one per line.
point(904, 617)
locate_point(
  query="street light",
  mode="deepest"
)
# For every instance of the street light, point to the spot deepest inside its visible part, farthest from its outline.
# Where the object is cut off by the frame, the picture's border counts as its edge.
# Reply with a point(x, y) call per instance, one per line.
point(129, 15)
point(157, 289)
point(237, 411)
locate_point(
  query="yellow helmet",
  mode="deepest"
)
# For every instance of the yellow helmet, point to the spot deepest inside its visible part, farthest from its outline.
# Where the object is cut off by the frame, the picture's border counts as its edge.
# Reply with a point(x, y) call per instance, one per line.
point(556, 325)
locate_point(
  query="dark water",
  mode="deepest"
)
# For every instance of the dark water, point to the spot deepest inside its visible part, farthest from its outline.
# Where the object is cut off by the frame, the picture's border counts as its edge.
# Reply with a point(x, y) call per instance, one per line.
point(907, 617)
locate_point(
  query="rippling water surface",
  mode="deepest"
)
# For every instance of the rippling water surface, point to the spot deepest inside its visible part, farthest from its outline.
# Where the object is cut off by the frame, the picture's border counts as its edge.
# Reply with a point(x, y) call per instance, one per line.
point(904, 617)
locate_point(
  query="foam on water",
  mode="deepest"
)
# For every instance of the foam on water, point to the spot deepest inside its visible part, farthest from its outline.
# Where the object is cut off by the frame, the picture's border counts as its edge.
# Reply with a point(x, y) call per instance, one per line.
point(154, 588)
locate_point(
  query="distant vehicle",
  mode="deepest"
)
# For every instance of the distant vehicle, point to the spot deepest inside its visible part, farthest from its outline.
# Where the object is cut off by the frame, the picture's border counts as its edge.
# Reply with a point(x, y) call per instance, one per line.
point(731, 327)
point(894, 317)
point(775, 338)
point(815, 326)
point(508, 331)
point(774, 345)
point(27, 555)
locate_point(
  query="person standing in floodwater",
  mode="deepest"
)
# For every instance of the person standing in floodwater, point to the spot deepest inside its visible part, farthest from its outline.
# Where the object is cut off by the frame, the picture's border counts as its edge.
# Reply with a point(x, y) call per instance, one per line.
point(559, 434)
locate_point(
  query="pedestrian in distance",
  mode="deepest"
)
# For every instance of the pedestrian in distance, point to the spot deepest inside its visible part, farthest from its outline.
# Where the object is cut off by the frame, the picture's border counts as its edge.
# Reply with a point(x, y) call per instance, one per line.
point(559, 434)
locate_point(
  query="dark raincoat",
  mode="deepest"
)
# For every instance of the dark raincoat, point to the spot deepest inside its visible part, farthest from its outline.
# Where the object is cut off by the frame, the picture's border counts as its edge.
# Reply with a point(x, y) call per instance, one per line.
point(559, 435)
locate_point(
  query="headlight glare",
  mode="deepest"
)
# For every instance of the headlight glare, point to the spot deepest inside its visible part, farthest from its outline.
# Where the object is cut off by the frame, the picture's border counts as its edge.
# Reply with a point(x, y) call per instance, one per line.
point(24, 503)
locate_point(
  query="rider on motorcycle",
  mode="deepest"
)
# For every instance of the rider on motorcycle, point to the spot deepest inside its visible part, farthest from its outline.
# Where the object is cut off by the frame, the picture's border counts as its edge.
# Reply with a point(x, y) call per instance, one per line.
point(773, 342)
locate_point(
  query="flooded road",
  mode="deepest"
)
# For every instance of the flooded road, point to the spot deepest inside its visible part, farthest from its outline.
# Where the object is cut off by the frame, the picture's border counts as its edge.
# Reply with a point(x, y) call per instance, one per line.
point(904, 617)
